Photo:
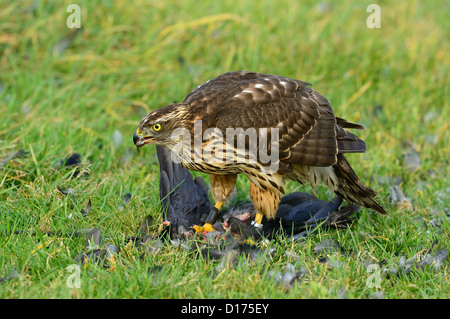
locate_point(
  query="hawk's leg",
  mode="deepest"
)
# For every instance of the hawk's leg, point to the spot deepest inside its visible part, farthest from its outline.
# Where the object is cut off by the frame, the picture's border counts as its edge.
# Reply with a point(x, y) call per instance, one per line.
point(266, 203)
point(210, 220)
point(221, 188)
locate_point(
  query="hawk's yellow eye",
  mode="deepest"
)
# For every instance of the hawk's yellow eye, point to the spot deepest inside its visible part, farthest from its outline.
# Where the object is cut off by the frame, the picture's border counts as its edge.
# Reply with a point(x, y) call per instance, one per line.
point(157, 127)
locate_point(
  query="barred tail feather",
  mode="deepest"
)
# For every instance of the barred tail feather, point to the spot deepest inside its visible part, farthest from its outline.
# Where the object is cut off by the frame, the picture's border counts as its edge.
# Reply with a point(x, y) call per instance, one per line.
point(351, 188)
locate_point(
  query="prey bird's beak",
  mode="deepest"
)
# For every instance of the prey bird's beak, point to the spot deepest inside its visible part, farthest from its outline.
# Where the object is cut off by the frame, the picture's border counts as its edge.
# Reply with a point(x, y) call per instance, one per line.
point(140, 140)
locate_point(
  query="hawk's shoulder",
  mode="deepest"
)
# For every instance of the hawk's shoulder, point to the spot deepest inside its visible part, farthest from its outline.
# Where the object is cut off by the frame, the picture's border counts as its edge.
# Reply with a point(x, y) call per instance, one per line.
point(245, 87)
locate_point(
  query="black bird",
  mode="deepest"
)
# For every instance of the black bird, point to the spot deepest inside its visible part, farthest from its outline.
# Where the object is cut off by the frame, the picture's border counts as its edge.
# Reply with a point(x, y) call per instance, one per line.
point(184, 200)
point(298, 214)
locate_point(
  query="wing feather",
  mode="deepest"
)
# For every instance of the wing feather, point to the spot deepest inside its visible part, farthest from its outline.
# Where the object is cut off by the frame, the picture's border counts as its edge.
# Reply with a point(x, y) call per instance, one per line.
point(309, 132)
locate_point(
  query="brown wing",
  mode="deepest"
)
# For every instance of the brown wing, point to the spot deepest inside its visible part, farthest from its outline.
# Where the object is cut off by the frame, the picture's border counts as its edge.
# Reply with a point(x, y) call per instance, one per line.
point(308, 130)
point(348, 142)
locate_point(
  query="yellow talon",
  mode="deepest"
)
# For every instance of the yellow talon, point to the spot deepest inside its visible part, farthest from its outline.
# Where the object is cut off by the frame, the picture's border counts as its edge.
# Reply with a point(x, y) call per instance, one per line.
point(198, 229)
point(258, 218)
point(250, 241)
point(207, 228)
point(218, 205)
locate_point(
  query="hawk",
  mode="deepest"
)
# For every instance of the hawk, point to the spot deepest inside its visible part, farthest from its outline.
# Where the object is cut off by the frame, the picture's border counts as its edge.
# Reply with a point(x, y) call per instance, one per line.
point(264, 114)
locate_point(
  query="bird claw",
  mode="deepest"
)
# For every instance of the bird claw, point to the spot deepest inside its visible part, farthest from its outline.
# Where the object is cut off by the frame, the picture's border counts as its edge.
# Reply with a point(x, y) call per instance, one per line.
point(206, 228)
point(250, 241)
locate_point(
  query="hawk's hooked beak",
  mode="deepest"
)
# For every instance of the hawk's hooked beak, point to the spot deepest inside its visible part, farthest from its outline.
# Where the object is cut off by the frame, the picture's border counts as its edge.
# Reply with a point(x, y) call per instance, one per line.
point(140, 140)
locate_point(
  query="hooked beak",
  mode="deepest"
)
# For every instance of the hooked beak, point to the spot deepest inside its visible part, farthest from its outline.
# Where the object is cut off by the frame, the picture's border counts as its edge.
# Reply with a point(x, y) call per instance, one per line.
point(140, 140)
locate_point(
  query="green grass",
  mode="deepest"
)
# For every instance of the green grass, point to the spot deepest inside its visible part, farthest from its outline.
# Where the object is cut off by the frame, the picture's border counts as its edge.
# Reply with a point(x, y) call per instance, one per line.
point(133, 57)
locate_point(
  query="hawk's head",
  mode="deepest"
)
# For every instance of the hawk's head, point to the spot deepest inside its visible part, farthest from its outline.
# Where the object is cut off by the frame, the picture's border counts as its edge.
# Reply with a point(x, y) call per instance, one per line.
point(157, 127)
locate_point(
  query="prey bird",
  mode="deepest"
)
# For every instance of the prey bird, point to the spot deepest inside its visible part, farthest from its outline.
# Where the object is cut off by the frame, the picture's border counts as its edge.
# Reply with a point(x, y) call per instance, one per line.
point(185, 204)
point(290, 120)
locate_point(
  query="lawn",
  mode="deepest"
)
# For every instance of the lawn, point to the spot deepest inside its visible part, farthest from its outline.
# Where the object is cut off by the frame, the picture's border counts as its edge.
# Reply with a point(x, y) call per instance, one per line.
point(84, 91)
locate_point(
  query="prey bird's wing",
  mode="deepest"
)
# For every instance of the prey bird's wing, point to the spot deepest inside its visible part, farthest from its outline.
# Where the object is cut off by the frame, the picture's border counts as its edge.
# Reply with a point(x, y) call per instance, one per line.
point(184, 199)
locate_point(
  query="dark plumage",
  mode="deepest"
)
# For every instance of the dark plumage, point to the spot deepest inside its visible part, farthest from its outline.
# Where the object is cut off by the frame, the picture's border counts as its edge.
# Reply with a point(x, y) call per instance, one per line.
point(184, 199)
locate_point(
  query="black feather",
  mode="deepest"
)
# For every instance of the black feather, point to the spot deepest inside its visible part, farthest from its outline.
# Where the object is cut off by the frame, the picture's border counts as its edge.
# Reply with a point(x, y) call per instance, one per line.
point(184, 199)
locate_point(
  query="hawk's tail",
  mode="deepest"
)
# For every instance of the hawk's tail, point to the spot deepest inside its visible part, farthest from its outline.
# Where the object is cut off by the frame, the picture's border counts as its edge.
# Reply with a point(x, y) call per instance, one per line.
point(351, 188)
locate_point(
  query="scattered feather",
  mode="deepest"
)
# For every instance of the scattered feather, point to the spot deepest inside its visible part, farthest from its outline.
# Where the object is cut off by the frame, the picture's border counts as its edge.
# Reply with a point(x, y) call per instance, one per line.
point(93, 253)
point(67, 191)
point(61, 46)
point(112, 249)
point(436, 260)
point(411, 160)
point(442, 198)
point(378, 111)
point(288, 276)
point(93, 238)
point(73, 196)
point(144, 227)
point(407, 266)
point(73, 160)
point(126, 199)
point(410, 157)
point(255, 253)
point(324, 7)
point(16, 155)
point(228, 260)
point(333, 263)
point(85, 211)
point(26, 109)
point(149, 245)
point(327, 246)
point(180, 244)
point(12, 275)
point(397, 197)
point(117, 138)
